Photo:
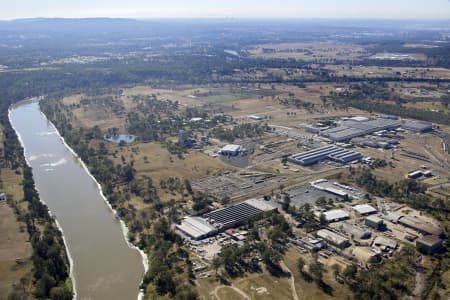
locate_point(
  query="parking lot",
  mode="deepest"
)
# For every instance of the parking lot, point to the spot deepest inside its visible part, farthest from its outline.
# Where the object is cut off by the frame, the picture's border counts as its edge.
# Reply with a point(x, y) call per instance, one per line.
point(307, 194)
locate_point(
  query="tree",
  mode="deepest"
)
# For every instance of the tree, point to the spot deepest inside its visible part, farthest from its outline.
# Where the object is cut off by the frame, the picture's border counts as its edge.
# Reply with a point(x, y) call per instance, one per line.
point(188, 186)
point(44, 285)
point(216, 263)
point(323, 219)
point(300, 264)
point(60, 293)
point(321, 201)
point(316, 270)
point(350, 272)
point(336, 270)
point(286, 202)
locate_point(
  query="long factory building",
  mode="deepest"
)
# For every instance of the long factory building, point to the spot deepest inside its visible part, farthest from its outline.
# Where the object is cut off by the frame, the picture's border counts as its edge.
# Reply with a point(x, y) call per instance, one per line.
point(219, 220)
point(331, 152)
point(352, 128)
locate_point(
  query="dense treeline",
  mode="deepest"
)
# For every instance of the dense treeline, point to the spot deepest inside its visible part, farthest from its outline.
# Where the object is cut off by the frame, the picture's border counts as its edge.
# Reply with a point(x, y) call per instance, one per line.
point(246, 130)
point(50, 262)
point(167, 255)
point(269, 248)
point(371, 97)
point(49, 257)
point(391, 280)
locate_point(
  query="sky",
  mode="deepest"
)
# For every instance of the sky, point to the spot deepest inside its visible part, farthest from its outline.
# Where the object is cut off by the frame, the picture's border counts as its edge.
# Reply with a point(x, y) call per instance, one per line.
point(374, 9)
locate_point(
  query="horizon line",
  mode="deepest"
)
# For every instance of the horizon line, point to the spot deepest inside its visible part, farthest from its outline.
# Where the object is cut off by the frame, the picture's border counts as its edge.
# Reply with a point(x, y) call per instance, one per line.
point(230, 18)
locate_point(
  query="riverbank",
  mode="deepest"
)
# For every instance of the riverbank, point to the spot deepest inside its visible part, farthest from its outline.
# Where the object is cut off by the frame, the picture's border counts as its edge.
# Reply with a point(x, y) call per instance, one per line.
point(100, 189)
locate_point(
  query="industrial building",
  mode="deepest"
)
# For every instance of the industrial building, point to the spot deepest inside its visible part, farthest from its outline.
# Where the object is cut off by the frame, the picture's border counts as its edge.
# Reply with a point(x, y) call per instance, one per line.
point(332, 152)
point(429, 244)
point(335, 215)
point(375, 142)
point(312, 129)
point(415, 174)
point(196, 228)
point(420, 226)
point(364, 209)
point(231, 150)
point(374, 222)
point(391, 217)
point(354, 231)
point(351, 128)
point(384, 243)
point(419, 173)
point(195, 120)
point(237, 214)
point(255, 118)
point(219, 220)
point(333, 238)
point(391, 117)
point(335, 191)
point(418, 126)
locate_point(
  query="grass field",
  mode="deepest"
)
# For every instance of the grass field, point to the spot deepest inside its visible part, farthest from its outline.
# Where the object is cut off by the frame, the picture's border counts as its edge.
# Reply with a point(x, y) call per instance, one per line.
point(426, 145)
point(309, 290)
point(309, 51)
point(14, 246)
point(227, 293)
point(152, 159)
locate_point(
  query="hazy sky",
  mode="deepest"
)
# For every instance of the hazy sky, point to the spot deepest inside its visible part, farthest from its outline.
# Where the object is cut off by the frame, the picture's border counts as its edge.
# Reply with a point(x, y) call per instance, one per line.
point(391, 9)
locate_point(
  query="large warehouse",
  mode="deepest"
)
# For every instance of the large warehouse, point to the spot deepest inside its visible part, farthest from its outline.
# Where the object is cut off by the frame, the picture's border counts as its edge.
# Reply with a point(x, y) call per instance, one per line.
point(237, 214)
point(197, 228)
point(333, 238)
point(364, 209)
point(429, 244)
point(418, 126)
point(332, 152)
point(334, 215)
point(218, 220)
point(354, 231)
point(420, 226)
point(351, 128)
point(231, 150)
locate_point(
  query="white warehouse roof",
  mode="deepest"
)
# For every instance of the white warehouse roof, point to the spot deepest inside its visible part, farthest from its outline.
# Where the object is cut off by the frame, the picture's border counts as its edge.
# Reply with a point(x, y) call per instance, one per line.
point(196, 119)
point(332, 237)
point(334, 215)
point(364, 209)
point(359, 119)
point(336, 191)
point(384, 241)
point(196, 227)
point(231, 148)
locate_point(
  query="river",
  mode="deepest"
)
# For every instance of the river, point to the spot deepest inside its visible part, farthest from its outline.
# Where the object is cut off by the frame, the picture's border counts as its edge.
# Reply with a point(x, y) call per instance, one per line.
point(103, 265)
